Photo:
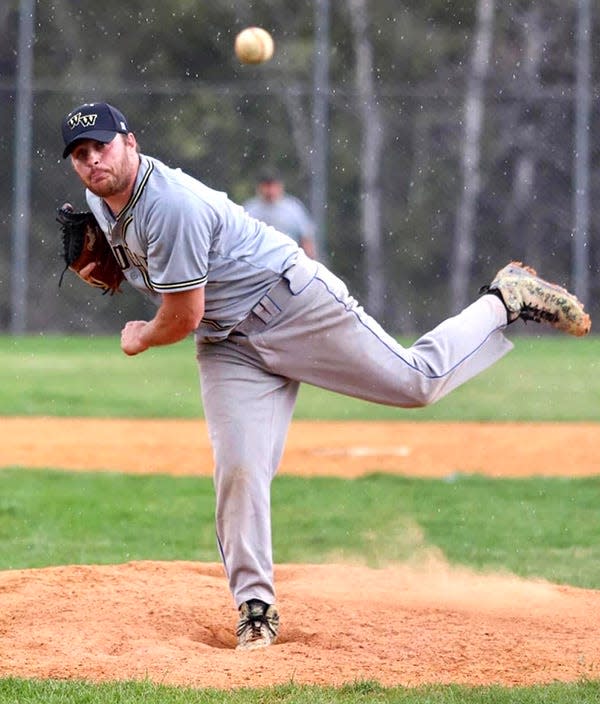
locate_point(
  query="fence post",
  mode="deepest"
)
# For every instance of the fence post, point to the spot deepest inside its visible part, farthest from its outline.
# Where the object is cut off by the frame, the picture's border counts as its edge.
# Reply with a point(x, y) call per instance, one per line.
point(21, 216)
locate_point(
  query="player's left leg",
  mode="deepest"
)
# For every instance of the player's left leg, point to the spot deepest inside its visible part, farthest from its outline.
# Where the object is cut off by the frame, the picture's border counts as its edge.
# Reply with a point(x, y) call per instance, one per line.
point(248, 411)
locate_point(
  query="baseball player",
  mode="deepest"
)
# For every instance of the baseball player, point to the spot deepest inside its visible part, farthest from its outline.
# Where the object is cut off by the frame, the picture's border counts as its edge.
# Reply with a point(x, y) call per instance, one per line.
point(286, 213)
point(267, 317)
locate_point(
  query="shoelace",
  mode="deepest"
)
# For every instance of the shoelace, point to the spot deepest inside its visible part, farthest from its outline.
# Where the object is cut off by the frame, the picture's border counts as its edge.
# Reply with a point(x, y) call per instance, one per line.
point(255, 623)
point(537, 315)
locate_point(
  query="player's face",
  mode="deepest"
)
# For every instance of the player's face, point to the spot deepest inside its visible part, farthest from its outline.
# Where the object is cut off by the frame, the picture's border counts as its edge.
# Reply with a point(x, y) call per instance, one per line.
point(107, 170)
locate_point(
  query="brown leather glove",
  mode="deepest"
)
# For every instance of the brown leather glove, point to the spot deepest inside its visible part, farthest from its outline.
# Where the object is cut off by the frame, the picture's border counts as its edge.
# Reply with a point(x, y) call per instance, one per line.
point(84, 243)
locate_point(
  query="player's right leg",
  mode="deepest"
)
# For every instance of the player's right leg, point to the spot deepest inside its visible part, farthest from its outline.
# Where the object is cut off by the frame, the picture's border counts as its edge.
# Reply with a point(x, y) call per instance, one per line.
point(322, 336)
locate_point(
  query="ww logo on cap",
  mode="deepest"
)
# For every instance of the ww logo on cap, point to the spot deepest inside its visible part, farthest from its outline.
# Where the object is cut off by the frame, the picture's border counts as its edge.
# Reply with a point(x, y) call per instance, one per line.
point(83, 120)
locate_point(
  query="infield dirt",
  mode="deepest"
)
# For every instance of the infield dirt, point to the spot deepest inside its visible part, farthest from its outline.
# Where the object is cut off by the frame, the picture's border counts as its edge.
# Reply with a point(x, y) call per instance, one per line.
point(173, 622)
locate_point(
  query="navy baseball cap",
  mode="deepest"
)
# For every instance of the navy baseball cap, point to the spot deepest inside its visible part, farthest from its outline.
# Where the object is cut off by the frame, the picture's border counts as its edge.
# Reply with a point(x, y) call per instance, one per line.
point(269, 175)
point(99, 121)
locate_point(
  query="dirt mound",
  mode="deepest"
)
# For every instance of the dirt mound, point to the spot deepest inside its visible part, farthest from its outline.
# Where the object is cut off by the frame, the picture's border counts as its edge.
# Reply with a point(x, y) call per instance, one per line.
point(173, 623)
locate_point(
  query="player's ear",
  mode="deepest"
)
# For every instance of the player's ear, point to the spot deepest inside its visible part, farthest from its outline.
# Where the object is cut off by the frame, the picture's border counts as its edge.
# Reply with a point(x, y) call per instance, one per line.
point(130, 140)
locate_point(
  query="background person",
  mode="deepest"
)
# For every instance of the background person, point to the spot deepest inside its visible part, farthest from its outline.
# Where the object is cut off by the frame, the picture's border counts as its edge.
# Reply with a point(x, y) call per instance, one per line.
point(286, 213)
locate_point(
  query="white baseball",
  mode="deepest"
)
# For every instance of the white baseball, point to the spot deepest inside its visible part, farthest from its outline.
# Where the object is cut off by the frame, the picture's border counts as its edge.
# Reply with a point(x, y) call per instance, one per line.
point(254, 45)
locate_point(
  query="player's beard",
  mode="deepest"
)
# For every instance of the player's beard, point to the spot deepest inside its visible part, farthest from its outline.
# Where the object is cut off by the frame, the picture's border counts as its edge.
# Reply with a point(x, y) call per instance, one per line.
point(115, 181)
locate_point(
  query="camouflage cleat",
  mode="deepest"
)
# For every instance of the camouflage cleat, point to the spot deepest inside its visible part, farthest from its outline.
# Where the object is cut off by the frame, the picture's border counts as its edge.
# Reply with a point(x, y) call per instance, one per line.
point(528, 297)
point(258, 625)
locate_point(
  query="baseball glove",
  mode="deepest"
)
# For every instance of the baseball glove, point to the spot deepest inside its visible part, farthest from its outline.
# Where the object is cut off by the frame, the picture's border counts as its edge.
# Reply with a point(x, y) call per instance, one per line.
point(84, 243)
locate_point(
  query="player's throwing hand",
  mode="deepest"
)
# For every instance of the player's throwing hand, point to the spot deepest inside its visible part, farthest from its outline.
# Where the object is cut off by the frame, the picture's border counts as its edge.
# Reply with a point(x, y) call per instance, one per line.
point(131, 337)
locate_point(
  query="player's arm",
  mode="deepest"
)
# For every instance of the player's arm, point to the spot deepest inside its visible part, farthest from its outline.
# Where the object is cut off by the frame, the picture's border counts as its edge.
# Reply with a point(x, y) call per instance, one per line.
point(178, 315)
point(306, 227)
point(308, 245)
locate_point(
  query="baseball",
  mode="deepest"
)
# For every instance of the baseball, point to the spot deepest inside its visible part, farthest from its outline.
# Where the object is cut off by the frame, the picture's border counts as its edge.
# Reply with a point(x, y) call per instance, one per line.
point(254, 45)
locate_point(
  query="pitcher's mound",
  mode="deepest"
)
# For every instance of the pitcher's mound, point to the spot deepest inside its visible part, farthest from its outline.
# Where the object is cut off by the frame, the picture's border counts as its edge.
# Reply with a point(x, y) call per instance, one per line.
point(173, 623)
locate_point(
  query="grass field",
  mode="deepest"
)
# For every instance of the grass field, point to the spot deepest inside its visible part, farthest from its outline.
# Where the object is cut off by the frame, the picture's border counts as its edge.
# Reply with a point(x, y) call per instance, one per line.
point(532, 527)
point(29, 692)
point(546, 378)
point(13, 691)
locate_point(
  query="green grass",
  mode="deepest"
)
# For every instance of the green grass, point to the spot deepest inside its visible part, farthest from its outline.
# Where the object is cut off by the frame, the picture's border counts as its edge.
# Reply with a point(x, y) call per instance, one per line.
point(17, 691)
point(546, 378)
point(90, 376)
point(53, 518)
point(535, 527)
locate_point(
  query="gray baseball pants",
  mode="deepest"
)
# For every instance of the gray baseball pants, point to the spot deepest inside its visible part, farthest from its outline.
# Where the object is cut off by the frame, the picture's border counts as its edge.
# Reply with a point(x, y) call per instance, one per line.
point(308, 328)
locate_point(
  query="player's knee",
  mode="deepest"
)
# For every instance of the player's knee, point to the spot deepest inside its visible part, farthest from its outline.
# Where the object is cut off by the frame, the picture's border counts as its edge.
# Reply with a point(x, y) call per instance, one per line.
point(232, 475)
point(424, 393)
point(236, 482)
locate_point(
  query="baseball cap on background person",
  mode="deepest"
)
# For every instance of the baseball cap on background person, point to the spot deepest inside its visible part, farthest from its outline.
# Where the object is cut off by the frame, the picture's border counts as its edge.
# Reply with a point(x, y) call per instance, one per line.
point(269, 175)
point(98, 121)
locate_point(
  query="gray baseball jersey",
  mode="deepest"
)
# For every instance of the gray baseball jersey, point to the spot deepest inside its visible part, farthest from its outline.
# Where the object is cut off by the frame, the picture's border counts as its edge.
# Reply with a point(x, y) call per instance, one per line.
point(287, 214)
point(177, 234)
point(274, 318)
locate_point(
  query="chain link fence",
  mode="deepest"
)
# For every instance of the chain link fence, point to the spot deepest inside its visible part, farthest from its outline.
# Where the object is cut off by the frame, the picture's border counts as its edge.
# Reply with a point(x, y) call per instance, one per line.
point(223, 133)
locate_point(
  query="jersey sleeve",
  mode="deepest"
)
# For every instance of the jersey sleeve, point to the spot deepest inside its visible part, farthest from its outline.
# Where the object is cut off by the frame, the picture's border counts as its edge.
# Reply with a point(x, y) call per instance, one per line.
point(179, 242)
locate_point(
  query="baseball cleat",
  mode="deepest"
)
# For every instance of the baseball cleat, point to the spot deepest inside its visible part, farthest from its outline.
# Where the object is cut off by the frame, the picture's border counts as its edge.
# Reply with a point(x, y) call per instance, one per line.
point(529, 297)
point(258, 625)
